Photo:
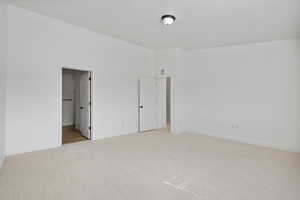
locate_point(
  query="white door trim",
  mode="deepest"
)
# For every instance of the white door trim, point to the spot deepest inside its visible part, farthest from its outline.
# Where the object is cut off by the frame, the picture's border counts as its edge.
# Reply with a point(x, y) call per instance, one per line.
point(172, 103)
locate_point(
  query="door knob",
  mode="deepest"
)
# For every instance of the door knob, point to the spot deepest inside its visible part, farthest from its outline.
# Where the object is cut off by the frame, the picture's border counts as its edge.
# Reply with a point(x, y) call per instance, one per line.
point(141, 106)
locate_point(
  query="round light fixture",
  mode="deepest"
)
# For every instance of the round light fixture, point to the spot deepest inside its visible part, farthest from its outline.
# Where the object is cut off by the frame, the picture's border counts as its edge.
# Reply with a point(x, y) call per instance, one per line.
point(168, 19)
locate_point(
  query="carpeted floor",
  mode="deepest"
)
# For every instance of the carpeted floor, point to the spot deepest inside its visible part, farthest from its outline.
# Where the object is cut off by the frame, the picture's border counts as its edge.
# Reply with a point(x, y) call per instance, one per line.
point(153, 166)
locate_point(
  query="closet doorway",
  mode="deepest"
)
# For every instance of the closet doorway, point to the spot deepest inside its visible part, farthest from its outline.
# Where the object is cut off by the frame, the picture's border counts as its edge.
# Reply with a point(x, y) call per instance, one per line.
point(76, 106)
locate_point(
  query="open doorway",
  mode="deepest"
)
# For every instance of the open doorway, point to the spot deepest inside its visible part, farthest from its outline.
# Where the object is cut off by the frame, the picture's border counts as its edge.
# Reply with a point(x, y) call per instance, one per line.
point(168, 102)
point(76, 106)
point(154, 103)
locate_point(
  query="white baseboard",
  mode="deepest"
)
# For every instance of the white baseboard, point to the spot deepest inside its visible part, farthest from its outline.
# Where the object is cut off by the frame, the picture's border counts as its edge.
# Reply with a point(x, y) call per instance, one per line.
point(2, 158)
point(294, 149)
point(68, 124)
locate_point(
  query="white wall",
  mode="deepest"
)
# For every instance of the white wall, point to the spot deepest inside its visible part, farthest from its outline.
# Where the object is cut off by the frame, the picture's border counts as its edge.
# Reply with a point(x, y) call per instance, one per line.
point(38, 47)
point(68, 96)
point(3, 55)
point(249, 93)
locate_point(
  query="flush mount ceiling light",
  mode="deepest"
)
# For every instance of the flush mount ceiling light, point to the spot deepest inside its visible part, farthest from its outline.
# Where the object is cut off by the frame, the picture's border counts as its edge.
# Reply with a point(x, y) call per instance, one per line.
point(168, 19)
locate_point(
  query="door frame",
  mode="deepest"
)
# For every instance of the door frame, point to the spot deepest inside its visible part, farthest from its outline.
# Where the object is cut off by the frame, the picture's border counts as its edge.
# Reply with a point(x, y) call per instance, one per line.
point(172, 101)
point(60, 86)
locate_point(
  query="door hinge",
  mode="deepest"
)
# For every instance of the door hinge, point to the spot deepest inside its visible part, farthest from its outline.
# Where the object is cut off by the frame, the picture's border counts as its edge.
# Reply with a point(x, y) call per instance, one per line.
point(90, 103)
point(90, 128)
point(90, 78)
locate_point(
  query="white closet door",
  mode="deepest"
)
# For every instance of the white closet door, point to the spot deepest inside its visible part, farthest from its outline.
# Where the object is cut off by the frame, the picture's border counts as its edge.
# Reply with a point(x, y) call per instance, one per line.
point(85, 107)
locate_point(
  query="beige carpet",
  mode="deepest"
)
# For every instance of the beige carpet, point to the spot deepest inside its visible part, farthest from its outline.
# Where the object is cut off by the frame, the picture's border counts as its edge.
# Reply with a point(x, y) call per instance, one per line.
point(153, 166)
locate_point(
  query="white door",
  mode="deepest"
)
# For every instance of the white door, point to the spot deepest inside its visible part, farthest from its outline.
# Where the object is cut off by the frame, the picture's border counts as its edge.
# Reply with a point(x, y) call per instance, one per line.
point(147, 104)
point(85, 106)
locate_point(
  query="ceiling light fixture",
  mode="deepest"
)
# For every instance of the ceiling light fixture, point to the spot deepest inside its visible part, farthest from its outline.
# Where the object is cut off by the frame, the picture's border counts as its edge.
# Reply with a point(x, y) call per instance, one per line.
point(168, 19)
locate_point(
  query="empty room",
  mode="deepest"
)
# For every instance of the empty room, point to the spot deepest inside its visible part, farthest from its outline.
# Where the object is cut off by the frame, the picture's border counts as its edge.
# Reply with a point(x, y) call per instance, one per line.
point(149, 100)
